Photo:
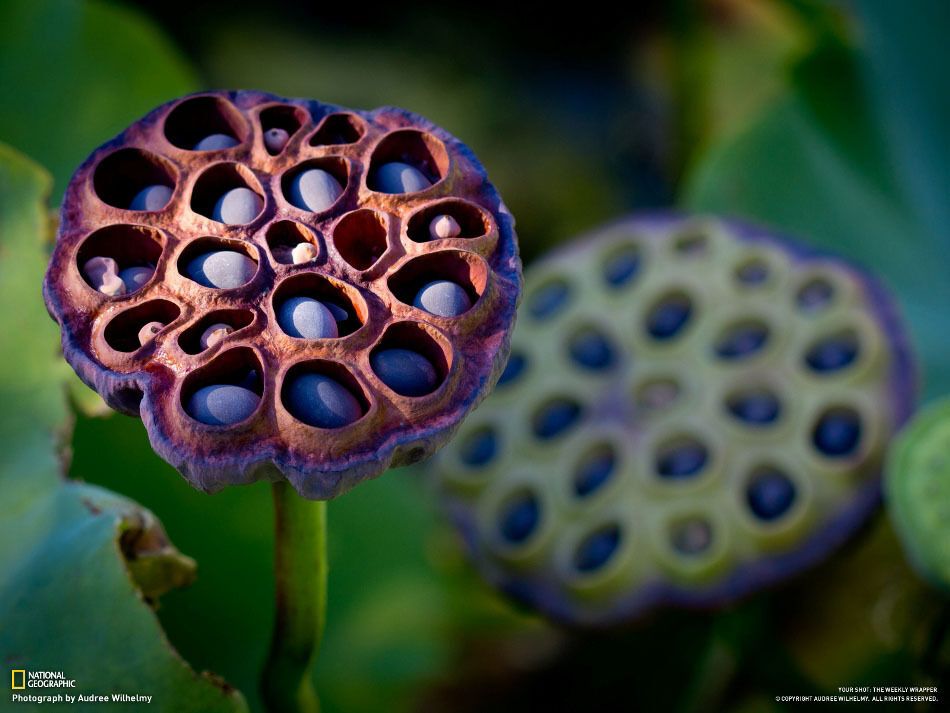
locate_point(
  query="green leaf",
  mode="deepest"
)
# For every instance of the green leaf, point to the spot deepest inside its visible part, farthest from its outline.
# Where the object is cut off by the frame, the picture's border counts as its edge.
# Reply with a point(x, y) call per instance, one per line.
point(74, 74)
point(855, 158)
point(76, 561)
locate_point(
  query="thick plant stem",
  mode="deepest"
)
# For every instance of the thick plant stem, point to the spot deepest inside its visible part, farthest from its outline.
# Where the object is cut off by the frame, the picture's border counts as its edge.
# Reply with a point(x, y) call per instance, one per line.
point(300, 566)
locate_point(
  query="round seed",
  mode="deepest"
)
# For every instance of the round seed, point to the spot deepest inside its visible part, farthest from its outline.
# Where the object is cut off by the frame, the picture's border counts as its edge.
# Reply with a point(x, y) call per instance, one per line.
point(307, 318)
point(148, 332)
point(520, 518)
point(597, 549)
point(237, 206)
point(815, 295)
point(321, 401)
point(669, 317)
point(513, 369)
point(134, 278)
point(832, 354)
point(444, 226)
point(549, 300)
point(398, 177)
point(770, 494)
point(591, 350)
point(151, 198)
point(339, 314)
point(682, 460)
point(224, 269)
point(404, 371)
point(314, 190)
point(622, 267)
point(275, 140)
point(443, 298)
point(214, 335)
point(555, 417)
point(215, 142)
point(742, 340)
point(303, 252)
point(222, 404)
point(837, 432)
point(594, 471)
point(479, 448)
point(755, 406)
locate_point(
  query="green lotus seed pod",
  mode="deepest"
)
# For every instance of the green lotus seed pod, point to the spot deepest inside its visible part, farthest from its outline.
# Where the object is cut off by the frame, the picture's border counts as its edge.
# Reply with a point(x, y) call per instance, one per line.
point(918, 491)
point(693, 409)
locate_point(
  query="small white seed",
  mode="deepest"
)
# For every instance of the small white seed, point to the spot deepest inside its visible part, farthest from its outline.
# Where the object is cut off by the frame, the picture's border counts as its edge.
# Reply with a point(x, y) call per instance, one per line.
point(148, 332)
point(214, 334)
point(303, 252)
point(444, 226)
point(275, 140)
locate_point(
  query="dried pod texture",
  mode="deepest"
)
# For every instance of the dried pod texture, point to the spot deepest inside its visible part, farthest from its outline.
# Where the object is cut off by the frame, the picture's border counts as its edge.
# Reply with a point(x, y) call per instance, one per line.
point(209, 210)
point(693, 409)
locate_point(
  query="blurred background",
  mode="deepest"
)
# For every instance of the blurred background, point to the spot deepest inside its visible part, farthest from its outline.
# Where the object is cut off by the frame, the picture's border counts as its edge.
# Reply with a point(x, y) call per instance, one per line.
point(828, 120)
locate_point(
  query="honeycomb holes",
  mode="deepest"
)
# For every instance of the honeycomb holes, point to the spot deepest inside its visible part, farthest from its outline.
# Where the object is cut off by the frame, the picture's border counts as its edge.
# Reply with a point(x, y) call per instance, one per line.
point(283, 236)
point(473, 221)
point(218, 180)
point(338, 129)
point(361, 237)
point(199, 117)
point(418, 149)
point(123, 174)
point(335, 166)
point(240, 367)
point(191, 338)
point(465, 269)
point(128, 245)
point(122, 333)
point(337, 296)
point(417, 338)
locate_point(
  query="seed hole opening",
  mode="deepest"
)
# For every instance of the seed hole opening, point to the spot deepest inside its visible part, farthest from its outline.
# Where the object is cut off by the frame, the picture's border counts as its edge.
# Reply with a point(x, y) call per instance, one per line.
point(464, 269)
point(344, 301)
point(418, 149)
point(216, 183)
point(457, 219)
point(191, 339)
point(122, 176)
point(199, 117)
point(122, 333)
point(361, 237)
point(338, 128)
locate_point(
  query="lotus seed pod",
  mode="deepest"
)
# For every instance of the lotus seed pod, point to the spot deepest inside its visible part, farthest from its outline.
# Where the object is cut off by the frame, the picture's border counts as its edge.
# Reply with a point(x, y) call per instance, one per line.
point(222, 404)
point(148, 332)
point(214, 335)
point(398, 177)
point(226, 392)
point(224, 269)
point(307, 318)
point(314, 190)
point(405, 372)
point(134, 278)
point(215, 142)
point(442, 298)
point(675, 428)
point(237, 206)
point(444, 226)
point(151, 198)
point(275, 140)
point(918, 491)
point(303, 252)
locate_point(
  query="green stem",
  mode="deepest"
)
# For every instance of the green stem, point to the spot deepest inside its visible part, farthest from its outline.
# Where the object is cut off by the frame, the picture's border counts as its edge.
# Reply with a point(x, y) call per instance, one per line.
point(300, 567)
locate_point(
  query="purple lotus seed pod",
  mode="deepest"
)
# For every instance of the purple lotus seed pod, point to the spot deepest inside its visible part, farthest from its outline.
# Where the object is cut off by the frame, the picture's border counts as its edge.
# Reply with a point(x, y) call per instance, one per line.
point(227, 393)
point(677, 425)
point(151, 198)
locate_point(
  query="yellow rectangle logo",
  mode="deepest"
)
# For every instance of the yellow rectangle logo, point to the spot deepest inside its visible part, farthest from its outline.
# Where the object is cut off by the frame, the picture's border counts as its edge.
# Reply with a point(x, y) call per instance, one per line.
point(13, 682)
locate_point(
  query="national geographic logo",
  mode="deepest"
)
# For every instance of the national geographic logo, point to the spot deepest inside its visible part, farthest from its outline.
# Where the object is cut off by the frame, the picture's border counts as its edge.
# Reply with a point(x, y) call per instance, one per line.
point(21, 679)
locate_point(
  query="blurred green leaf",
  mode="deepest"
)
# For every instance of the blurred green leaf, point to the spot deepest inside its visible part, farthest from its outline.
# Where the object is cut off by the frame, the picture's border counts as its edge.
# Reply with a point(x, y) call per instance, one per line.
point(855, 158)
point(74, 74)
point(65, 589)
